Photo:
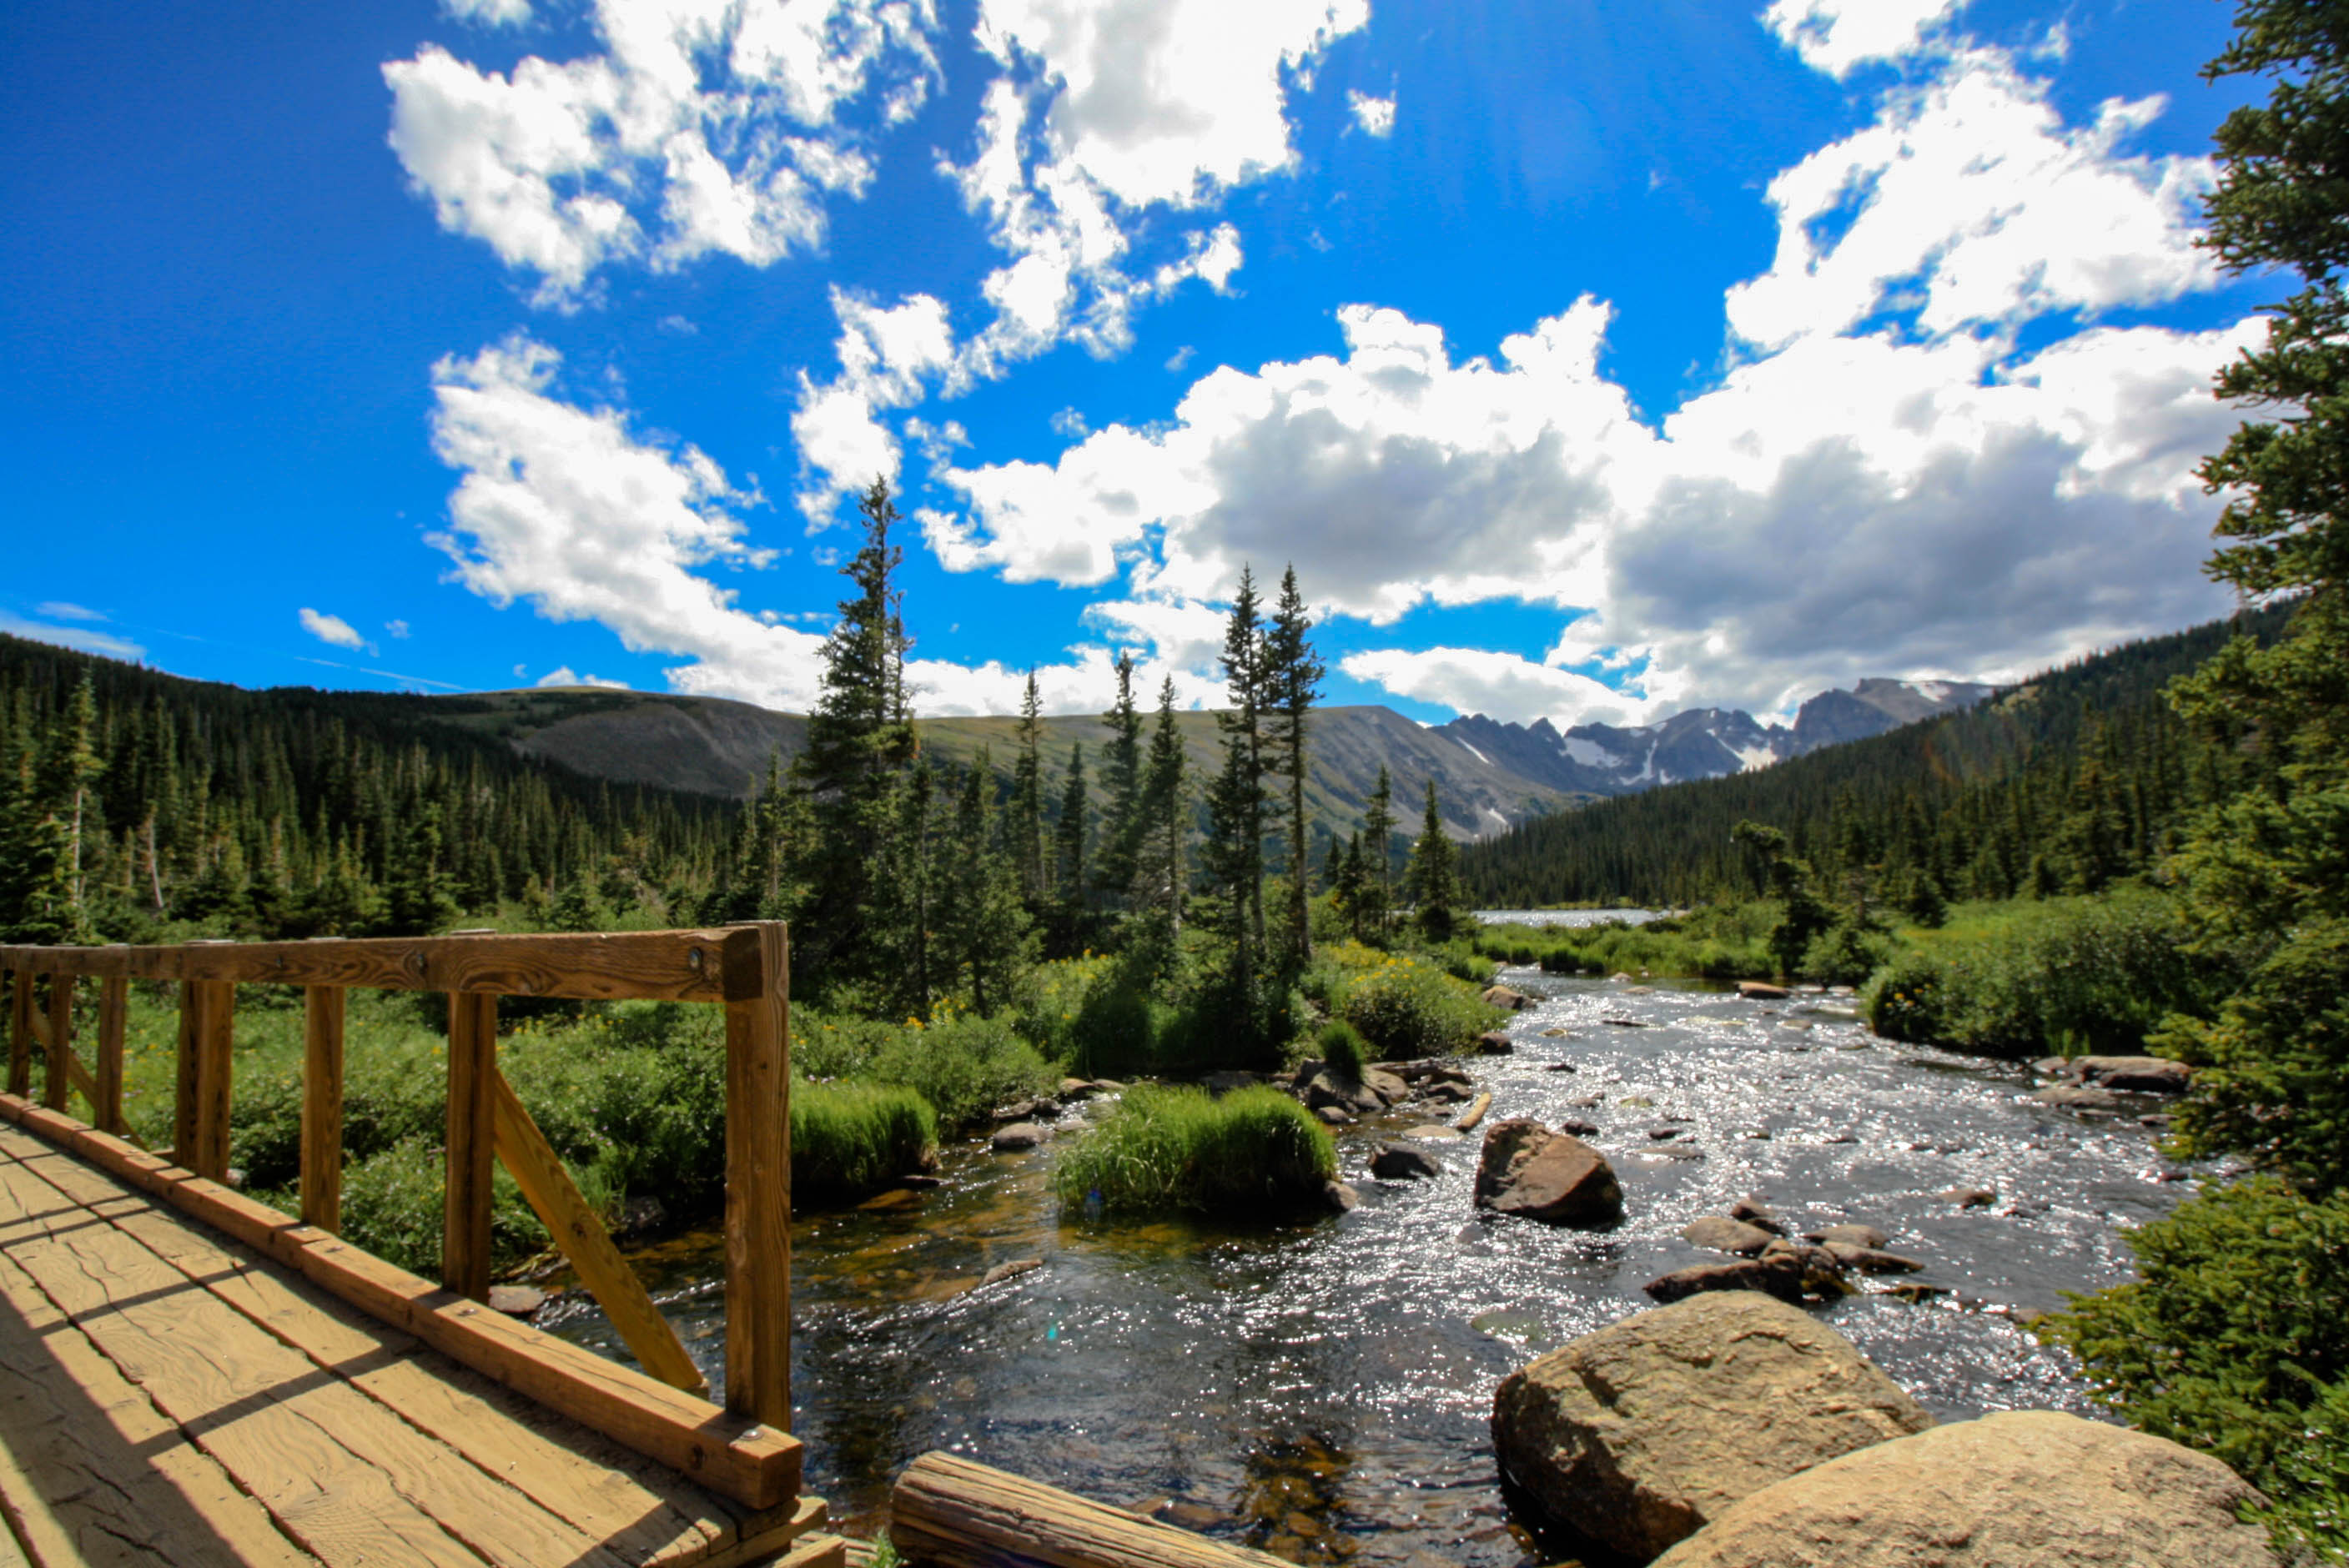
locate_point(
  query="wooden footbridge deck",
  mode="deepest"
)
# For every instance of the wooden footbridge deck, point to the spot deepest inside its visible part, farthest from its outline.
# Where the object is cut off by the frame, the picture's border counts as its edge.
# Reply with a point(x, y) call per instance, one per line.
point(189, 1378)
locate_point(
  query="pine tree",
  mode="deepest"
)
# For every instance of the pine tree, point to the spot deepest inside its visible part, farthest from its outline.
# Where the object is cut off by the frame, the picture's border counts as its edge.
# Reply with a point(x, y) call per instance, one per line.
point(984, 923)
point(1378, 839)
point(1120, 777)
point(1028, 805)
point(1431, 881)
point(1069, 841)
point(1291, 680)
point(860, 738)
point(1233, 858)
point(1161, 879)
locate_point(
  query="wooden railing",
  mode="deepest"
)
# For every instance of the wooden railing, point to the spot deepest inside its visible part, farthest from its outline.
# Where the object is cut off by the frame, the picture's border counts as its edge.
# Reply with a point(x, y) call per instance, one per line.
point(743, 968)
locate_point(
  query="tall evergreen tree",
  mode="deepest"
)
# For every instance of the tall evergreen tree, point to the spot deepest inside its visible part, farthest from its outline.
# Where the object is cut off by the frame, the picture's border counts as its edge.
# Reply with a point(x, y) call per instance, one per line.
point(1234, 856)
point(1378, 842)
point(860, 740)
point(1431, 881)
point(1121, 778)
point(983, 923)
point(1291, 679)
point(1069, 836)
point(1162, 877)
point(1028, 804)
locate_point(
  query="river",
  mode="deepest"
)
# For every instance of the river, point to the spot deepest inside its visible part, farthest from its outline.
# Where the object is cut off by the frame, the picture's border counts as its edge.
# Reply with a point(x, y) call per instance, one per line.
point(1322, 1389)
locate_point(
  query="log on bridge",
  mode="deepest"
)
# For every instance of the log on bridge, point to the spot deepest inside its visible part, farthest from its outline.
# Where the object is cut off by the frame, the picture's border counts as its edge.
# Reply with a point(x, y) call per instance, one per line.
point(955, 1512)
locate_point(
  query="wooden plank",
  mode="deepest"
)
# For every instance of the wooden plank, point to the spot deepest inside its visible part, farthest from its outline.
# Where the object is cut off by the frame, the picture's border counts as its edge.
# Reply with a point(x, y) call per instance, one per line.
point(750, 1462)
point(685, 966)
point(346, 1478)
point(815, 1551)
point(954, 1512)
point(322, 1108)
point(759, 1187)
point(214, 1049)
point(58, 1038)
point(649, 1514)
point(20, 1031)
point(472, 1106)
point(185, 1085)
point(113, 1015)
point(91, 1472)
point(547, 1186)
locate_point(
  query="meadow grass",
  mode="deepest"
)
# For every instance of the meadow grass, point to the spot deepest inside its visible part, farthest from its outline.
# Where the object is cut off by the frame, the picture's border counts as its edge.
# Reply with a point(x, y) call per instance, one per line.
point(1252, 1150)
point(850, 1138)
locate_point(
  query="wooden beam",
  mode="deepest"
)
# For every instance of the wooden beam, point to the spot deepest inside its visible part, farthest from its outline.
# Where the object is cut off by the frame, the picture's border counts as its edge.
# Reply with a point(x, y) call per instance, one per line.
point(759, 1180)
point(755, 1464)
point(952, 1512)
point(113, 1014)
point(322, 1108)
point(59, 1082)
point(213, 1046)
point(539, 1172)
point(20, 1031)
point(687, 965)
point(185, 1083)
point(472, 1076)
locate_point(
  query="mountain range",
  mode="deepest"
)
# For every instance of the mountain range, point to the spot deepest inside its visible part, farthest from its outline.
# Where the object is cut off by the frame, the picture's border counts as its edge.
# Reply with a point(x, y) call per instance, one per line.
point(1489, 775)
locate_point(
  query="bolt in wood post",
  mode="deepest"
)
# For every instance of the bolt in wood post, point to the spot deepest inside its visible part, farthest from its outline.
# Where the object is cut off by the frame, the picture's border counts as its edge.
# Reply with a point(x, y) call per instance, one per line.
point(472, 1133)
point(113, 1011)
point(57, 1086)
point(20, 1034)
point(322, 1108)
point(759, 1175)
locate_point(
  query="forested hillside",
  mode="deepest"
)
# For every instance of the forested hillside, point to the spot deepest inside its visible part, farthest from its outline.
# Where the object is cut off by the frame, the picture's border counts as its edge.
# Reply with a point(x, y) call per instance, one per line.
point(130, 800)
point(2059, 785)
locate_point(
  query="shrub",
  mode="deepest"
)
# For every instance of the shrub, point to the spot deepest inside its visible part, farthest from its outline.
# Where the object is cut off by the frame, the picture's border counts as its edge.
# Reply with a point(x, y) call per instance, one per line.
point(1179, 1148)
point(850, 1138)
point(392, 1208)
point(1846, 954)
point(1906, 999)
point(2236, 1341)
point(1341, 1045)
point(1405, 1006)
point(964, 1065)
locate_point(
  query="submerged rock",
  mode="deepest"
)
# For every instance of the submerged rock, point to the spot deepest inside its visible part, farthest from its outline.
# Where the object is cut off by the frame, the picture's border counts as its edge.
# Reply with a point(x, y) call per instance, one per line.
point(1527, 1169)
point(1871, 1260)
point(1641, 1433)
point(1726, 1236)
point(1755, 1212)
point(1849, 1235)
point(2023, 1489)
point(1401, 1162)
point(1011, 1270)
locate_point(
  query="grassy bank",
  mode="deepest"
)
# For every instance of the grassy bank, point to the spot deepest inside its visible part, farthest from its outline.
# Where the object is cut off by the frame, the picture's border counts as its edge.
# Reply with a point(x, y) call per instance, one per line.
point(1718, 942)
point(1251, 1150)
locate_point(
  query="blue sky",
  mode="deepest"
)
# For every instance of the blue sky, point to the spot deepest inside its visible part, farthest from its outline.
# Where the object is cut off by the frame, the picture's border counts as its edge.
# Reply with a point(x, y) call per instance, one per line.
point(1588, 361)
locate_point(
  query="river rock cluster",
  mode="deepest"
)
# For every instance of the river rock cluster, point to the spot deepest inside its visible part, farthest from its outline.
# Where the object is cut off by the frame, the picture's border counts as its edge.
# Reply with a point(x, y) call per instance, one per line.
point(1734, 1431)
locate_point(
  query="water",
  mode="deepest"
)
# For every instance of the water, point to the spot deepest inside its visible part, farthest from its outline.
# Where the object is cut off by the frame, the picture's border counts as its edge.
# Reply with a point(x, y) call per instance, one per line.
point(1568, 916)
point(1322, 1389)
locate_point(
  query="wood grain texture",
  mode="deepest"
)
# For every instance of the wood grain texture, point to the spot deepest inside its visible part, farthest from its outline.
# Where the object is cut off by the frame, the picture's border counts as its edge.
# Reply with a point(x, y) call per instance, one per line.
point(113, 1015)
point(538, 1170)
point(759, 1183)
point(90, 1471)
point(184, 1084)
point(214, 1045)
point(58, 1037)
point(686, 965)
point(322, 1108)
point(755, 1465)
point(344, 1477)
point(20, 1031)
point(472, 1101)
point(954, 1512)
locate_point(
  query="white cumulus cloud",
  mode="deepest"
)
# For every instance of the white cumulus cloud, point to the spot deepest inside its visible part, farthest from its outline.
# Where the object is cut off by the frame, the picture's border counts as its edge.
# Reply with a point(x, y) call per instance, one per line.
point(331, 629)
point(1372, 116)
point(1840, 36)
point(567, 676)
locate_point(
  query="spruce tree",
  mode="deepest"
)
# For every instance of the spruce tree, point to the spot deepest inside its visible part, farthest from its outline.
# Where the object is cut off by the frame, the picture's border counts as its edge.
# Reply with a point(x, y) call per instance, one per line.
point(1028, 805)
point(1378, 839)
point(1291, 682)
point(1069, 841)
point(1121, 778)
point(1162, 878)
point(1431, 881)
point(1233, 858)
point(983, 923)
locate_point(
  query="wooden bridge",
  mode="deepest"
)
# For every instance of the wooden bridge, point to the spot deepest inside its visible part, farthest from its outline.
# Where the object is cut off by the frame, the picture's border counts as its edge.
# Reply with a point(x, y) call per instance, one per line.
point(190, 1377)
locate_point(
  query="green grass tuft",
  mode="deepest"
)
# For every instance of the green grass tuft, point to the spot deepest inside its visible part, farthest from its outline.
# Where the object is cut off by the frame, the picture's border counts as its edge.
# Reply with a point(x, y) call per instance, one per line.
point(851, 1138)
point(1179, 1148)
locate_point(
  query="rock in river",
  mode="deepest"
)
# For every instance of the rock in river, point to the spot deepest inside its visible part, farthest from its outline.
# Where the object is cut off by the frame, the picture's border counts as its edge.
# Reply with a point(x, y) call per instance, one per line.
point(1019, 1135)
point(1726, 1236)
point(1851, 1236)
point(1503, 996)
point(2029, 1489)
point(1401, 1162)
point(1640, 1434)
point(1554, 1177)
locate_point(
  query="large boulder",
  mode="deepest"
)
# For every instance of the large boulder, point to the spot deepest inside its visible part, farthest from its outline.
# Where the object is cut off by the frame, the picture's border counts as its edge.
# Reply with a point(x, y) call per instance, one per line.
point(1642, 1433)
point(2026, 1489)
point(1554, 1177)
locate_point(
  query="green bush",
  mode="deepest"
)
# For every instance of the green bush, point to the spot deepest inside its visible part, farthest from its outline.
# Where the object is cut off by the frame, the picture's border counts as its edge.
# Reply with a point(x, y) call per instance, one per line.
point(2066, 976)
point(1341, 1046)
point(965, 1065)
point(392, 1208)
point(1846, 954)
point(2236, 1342)
point(1405, 1006)
point(1179, 1148)
point(850, 1138)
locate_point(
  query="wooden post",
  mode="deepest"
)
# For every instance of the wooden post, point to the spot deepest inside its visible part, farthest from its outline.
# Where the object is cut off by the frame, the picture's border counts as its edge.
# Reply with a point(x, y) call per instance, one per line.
point(186, 1085)
point(538, 1171)
point(472, 1113)
point(759, 1175)
point(57, 1086)
point(20, 1034)
point(113, 1010)
point(212, 1045)
point(322, 1108)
